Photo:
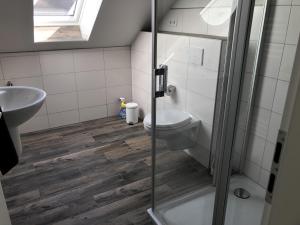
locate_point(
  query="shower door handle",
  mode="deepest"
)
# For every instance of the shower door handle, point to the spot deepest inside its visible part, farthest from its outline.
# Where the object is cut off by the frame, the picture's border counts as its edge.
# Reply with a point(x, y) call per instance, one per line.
point(161, 79)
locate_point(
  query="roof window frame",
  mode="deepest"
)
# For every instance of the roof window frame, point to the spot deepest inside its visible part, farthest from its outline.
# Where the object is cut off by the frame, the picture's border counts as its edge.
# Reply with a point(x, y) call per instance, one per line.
point(63, 20)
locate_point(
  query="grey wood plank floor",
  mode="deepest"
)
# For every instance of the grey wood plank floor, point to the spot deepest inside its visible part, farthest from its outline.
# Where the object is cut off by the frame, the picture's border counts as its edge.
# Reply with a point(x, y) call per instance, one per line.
point(95, 172)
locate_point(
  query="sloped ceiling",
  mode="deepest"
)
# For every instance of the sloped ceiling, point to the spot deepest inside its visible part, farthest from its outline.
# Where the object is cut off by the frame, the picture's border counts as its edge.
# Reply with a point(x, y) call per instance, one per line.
point(117, 24)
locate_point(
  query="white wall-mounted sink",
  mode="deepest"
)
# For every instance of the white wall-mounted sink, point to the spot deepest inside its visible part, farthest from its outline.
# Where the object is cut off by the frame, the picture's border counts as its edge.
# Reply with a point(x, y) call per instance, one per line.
point(19, 104)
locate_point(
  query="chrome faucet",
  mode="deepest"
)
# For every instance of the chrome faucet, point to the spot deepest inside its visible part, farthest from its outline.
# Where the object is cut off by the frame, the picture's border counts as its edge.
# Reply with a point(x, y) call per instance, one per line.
point(9, 83)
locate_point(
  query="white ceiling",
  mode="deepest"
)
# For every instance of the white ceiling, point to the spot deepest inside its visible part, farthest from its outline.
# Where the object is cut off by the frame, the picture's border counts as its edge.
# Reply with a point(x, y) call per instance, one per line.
point(117, 24)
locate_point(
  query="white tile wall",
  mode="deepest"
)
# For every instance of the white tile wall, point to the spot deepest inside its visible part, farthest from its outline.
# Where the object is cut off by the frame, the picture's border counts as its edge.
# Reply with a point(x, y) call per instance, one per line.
point(265, 92)
point(57, 62)
point(81, 84)
point(293, 28)
point(207, 17)
point(287, 62)
point(277, 63)
point(62, 83)
point(28, 66)
point(63, 118)
point(277, 24)
point(91, 98)
point(61, 102)
point(90, 80)
point(88, 60)
point(272, 55)
point(195, 82)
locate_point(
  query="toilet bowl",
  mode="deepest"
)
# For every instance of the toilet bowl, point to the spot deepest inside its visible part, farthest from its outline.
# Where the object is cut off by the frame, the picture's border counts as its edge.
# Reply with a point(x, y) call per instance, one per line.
point(178, 128)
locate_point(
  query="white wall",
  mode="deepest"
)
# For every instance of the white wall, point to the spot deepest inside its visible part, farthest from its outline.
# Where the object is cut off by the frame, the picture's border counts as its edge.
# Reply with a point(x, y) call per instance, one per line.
point(195, 83)
point(81, 84)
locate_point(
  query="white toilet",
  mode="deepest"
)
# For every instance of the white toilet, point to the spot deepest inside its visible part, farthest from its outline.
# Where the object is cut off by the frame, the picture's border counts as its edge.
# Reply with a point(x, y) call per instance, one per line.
point(178, 128)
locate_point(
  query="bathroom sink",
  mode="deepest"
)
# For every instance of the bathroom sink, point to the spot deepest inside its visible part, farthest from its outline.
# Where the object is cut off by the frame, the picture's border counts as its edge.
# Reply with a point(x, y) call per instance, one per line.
point(19, 104)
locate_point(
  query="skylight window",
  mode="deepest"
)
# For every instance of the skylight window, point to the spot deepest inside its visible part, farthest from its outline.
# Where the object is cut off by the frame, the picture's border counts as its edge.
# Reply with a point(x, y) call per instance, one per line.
point(57, 12)
point(55, 7)
point(64, 20)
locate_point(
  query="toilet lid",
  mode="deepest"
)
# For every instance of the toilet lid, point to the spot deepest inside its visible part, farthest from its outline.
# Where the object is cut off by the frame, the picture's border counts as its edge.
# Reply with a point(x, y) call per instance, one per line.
point(168, 119)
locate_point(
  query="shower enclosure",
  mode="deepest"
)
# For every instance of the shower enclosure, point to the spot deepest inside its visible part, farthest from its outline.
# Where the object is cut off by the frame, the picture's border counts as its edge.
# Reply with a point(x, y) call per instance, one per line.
point(197, 168)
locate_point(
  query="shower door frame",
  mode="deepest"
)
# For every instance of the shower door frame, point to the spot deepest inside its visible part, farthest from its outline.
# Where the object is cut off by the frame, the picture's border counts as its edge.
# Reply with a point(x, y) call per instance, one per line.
point(237, 46)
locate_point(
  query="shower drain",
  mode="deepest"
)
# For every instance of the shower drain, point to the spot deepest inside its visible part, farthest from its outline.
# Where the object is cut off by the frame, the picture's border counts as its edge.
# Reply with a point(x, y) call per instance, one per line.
point(241, 193)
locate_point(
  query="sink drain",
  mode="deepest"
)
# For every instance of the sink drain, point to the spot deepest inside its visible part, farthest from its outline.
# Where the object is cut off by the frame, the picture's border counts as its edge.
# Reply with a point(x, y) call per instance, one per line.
point(241, 193)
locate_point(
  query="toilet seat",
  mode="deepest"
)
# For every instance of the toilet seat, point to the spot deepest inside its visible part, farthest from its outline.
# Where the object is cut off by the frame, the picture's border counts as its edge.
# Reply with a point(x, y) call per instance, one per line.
point(168, 120)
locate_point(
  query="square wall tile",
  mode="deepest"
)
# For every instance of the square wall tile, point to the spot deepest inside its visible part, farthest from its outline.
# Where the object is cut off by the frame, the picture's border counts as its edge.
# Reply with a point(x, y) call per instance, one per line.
point(295, 2)
point(268, 156)
point(274, 127)
point(20, 66)
point(271, 59)
point(141, 61)
point(201, 107)
point(260, 121)
point(277, 24)
point(92, 113)
point(178, 71)
point(252, 171)
point(176, 18)
point(63, 118)
point(90, 80)
point(35, 124)
point(256, 148)
point(117, 58)
point(113, 109)
point(205, 134)
point(114, 94)
point(57, 62)
point(92, 98)
point(142, 80)
point(177, 48)
point(175, 101)
point(61, 102)
point(143, 42)
point(217, 25)
point(293, 28)
point(88, 60)
point(62, 83)
point(118, 77)
point(211, 54)
point(287, 62)
point(28, 81)
point(280, 96)
point(264, 178)
point(192, 21)
point(265, 92)
point(201, 81)
point(281, 2)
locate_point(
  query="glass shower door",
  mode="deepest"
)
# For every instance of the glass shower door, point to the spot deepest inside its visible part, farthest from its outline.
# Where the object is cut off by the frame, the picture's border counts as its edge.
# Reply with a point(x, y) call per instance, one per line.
point(197, 59)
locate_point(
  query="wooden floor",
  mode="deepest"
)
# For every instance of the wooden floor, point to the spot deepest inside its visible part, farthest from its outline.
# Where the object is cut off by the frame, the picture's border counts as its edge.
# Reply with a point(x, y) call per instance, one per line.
point(94, 173)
